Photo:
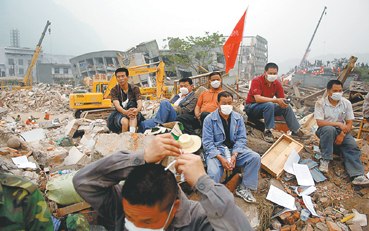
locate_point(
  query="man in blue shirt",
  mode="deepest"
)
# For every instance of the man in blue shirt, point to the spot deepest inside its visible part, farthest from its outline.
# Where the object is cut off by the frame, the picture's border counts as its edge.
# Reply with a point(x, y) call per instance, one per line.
point(224, 143)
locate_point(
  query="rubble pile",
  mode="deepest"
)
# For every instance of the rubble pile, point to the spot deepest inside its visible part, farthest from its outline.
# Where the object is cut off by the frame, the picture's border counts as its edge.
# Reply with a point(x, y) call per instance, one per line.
point(42, 97)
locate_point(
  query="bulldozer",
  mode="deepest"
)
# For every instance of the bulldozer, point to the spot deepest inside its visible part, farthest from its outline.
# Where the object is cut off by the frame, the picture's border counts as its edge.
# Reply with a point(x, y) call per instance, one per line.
point(97, 104)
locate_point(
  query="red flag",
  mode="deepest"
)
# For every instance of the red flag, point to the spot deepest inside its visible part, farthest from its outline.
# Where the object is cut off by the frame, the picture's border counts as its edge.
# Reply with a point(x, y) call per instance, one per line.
point(230, 48)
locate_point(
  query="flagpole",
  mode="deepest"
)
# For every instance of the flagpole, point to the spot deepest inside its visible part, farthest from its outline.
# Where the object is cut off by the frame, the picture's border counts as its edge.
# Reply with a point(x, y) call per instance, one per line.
point(238, 72)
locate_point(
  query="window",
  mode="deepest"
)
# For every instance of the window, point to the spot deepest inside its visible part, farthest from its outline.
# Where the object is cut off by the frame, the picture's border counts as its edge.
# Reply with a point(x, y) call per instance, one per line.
point(20, 61)
point(11, 61)
point(65, 70)
point(21, 71)
point(57, 71)
point(11, 71)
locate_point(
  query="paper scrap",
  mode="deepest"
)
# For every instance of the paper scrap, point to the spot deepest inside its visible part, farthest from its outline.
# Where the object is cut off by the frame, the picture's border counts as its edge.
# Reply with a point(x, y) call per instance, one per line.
point(281, 198)
point(307, 190)
point(293, 158)
point(22, 162)
point(367, 174)
point(303, 175)
point(309, 205)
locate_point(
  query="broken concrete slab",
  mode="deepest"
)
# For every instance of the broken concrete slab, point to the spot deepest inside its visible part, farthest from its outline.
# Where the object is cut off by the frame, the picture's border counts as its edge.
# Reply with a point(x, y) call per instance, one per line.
point(34, 135)
point(108, 144)
point(76, 157)
point(250, 210)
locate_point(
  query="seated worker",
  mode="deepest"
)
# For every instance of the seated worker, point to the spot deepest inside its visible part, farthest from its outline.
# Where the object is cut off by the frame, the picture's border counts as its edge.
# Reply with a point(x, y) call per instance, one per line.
point(261, 104)
point(126, 99)
point(366, 107)
point(224, 133)
point(47, 115)
point(334, 116)
point(29, 120)
point(206, 103)
point(182, 103)
point(22, 206)
point(18, 118)
point(150, 198)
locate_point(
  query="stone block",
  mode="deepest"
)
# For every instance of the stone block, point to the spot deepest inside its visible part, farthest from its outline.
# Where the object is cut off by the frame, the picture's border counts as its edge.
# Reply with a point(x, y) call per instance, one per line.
point(108, 144)
point(250, 210)
point(13, 143)
point(322, 227)
point(76, 157)
point(56, 157)
point(355, 227)
point(333, 226)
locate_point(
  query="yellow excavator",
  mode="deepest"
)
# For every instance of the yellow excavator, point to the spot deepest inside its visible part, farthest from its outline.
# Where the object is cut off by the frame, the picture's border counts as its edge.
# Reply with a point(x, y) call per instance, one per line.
point(27, 81)
point(97, 104)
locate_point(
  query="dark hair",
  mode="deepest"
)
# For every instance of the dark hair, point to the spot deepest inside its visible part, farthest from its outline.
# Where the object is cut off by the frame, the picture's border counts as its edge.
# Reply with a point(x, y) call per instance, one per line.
point(149, 185)
point(186, 79)
point(122, 69)
point(333, 81)
point(225, 94)
point(215, 73)
point(270, 65)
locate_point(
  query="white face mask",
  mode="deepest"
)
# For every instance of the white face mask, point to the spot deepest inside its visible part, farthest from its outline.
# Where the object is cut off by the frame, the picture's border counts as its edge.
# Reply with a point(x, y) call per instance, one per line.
point(131, 227)
point(336, 96)
point(226, 109)
point(272, 78)
point(183, 90)
point(215, 84)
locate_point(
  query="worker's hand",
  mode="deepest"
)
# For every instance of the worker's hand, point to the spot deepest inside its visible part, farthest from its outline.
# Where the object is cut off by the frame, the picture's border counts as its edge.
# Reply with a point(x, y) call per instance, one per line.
point(161, 146)
point(225, 162)
point(233, 160)
point(281, 103)
point(339, 139)
point(198, 116)
point(191, 166)
point(134, 111)
point(346, 129)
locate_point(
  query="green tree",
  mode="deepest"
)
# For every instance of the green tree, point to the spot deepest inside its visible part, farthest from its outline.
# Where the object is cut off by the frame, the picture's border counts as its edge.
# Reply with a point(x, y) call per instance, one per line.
point(192, 52)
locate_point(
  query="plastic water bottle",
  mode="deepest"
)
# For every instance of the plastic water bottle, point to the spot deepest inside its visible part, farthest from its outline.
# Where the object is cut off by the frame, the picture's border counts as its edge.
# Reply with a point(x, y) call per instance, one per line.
point(64, 172)
point(227, 154)
point(304, 214)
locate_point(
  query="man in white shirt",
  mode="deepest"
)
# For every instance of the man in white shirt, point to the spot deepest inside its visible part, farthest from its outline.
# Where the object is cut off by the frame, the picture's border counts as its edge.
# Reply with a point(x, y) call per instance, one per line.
point(334, 116)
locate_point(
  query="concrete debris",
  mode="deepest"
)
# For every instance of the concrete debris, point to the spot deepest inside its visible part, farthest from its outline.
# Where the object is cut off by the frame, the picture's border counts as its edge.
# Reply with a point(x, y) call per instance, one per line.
point(76, 157)
point(14, 143)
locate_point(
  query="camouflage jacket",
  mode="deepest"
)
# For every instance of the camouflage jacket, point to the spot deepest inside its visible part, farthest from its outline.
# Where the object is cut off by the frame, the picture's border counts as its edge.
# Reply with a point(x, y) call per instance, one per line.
point(22, 206)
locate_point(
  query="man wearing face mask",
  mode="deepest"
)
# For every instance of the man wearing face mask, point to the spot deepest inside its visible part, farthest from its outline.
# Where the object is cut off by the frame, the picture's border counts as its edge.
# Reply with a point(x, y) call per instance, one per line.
point(265, 100)
point(206, 104)
point(224, 143)
point(150, 198)
point(182, 104)
point(334, 116)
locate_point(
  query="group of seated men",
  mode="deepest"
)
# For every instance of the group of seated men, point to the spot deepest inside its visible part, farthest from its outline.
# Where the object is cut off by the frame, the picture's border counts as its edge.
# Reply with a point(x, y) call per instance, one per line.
point(150, 198)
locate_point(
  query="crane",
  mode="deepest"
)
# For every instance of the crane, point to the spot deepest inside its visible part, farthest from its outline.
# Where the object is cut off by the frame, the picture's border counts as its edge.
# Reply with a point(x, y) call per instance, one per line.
point(311, 40)
point(27, 81)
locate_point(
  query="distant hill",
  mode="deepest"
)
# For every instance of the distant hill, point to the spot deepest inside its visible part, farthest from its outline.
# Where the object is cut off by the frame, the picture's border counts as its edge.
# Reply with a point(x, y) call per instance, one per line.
point(69, 36)
point(285, 66)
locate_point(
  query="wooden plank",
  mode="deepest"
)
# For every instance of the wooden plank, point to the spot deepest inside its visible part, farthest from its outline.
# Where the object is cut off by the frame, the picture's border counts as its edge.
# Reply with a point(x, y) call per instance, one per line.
point(276, 156)
point(235, 92)
point(296, 91)
point(72, 209)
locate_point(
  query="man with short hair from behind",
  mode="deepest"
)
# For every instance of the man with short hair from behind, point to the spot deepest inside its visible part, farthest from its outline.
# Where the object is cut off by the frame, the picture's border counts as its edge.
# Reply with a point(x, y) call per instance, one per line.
point(266, 100)
point(224, 136)
point(183, 103)
point(334, 116)
point(206, 103)
point(150, 197)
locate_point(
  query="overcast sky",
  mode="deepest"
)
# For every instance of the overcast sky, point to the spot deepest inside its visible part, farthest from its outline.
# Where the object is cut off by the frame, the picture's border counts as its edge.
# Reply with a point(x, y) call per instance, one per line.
point(286, 24)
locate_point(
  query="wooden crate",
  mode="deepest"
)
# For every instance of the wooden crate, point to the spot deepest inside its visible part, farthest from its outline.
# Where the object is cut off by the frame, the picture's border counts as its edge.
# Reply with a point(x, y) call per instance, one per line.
point(274, 159)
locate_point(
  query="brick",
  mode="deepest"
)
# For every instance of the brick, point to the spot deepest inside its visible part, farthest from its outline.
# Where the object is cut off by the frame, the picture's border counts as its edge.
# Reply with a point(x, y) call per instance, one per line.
point(293, 228)
point(292, 219)
point(333, 226)
point(284, 216)
point(234, 182)
point(286, 228)
point(49, 149)
point(72, 209)
point(4, 152)
point(308, 227)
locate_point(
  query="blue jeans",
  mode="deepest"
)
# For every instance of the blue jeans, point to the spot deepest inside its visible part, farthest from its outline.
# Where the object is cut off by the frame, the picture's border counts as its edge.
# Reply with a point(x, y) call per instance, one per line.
point(248, 159)
point(166, 113)
point(267, 111)
point(350, 151)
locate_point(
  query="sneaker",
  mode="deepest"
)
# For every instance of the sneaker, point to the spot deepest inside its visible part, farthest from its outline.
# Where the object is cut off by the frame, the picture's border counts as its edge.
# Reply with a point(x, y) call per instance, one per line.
point(324, 165)
point(245, 194)
point(268, 136)
point(361, 180)
point(300, 135)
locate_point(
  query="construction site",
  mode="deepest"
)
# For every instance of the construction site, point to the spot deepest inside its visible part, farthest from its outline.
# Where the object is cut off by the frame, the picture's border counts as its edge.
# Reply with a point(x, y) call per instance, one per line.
point(54, 122)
